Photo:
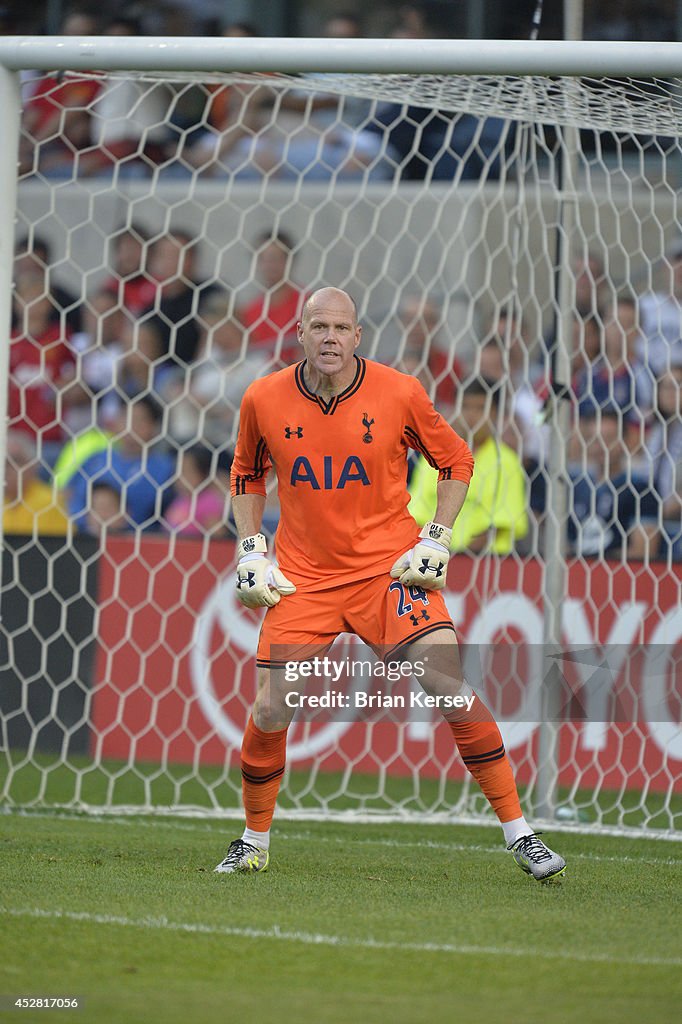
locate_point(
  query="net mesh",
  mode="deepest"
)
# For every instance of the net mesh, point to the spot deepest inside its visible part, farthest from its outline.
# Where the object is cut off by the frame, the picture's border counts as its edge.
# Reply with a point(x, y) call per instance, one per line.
point(167, 234)
point(639, 107)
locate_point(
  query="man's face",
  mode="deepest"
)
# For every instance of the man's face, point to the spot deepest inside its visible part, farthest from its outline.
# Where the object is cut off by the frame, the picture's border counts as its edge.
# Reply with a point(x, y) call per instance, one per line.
point(171, 260)
point(492, 363)
point(474, 417)
point(420, 320)
point(272, 265)
point(226, 335)
point(602, 441)
point(329, 332)
point(102, 319)
point(128, 255)
point(142, 431)
point(339, 27)
point(106, 512)
point(669, 394)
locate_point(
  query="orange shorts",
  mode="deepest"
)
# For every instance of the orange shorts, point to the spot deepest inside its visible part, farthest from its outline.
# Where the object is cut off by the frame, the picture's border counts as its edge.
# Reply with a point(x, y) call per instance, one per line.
point(385, 614)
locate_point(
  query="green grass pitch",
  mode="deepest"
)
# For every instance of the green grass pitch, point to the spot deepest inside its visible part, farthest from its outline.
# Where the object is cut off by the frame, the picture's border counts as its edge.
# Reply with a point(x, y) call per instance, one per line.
point(370, 922)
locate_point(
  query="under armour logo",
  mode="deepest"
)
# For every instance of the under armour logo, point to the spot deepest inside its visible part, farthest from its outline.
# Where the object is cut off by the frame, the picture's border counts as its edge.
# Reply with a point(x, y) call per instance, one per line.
point(367, 424)
point(428, 568)
point(244, 581)
point(293, 432)
point(415, 619)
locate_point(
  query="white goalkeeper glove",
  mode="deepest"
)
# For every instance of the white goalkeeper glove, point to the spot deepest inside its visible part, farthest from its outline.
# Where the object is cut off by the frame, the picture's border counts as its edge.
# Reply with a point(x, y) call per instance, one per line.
point(259, 582)
point(426, 564)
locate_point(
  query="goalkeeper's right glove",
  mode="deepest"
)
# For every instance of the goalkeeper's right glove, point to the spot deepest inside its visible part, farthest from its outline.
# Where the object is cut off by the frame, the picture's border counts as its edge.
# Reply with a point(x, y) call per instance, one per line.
point(259, 582)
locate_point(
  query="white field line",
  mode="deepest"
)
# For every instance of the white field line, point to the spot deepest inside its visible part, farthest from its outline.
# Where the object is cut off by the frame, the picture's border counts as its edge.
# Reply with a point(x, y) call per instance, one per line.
point(337, 941)
point(198, 826)
point(349, 817)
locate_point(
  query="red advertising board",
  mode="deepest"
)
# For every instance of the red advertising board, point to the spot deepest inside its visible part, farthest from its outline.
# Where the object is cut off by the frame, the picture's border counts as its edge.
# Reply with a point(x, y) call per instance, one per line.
point(175, 672)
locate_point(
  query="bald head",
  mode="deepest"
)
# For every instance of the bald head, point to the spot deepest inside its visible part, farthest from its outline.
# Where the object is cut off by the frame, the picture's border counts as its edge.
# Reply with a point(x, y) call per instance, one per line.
point(325, 298)
point(329, 333)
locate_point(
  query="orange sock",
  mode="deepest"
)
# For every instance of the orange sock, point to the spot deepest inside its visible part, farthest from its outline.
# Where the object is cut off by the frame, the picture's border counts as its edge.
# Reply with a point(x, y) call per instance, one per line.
point(481, 747)
point(263, 762)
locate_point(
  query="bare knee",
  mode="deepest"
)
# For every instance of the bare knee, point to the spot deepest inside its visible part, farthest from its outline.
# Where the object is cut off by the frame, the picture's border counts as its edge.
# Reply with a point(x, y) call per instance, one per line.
point(270, 710)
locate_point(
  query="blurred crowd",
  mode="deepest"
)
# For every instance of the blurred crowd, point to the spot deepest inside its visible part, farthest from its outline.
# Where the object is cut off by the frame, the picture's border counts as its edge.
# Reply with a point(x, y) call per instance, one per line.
point(123, 410)
point(94, 124)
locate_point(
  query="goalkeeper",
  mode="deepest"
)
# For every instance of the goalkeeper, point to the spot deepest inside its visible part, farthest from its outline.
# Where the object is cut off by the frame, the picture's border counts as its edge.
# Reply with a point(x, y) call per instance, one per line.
point(351, 559)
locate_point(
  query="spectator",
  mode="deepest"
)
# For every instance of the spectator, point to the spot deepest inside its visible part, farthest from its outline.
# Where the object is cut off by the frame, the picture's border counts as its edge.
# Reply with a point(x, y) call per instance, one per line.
point(79, 23)
point(619, 377)
point(78, 410)
point(99, 346)
point(309, 134)
point(77, 449)
point(490, 362)
point(613, 512)
point(173, 267)
point(142, 370)
point(424, 142)
point(420, 320)
point(35, 254)
point(664, 448)
point(131, 465)
point(591, 285)
point(235, 115)
point(272, 317)
point(132, 287)
point(106, 515)
point(41, 362)
point(591, 295)
point(507, 329)
point(587, 344)
point(31, 506)
point(413, 23)
point(88, 400)
point(506, 358)
point(328, 135)
point(129, 128)
point(343, 25)
point(199, 508)
point(660, 317)
point(124, 25)
point(493, 517)
point(204, 404)
point(57, 114)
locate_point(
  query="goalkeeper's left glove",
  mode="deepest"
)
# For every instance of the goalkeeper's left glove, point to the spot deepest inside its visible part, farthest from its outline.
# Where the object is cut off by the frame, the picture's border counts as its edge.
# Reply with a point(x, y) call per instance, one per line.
point(426, 564)
point(259, 583)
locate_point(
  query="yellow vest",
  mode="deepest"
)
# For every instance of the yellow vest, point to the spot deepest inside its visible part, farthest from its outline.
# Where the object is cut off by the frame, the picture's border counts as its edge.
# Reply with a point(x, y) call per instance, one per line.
point(496, 498)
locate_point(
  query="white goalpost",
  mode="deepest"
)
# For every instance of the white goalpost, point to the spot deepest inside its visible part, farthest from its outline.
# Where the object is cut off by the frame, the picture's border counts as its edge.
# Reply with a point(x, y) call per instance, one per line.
point(504, 212)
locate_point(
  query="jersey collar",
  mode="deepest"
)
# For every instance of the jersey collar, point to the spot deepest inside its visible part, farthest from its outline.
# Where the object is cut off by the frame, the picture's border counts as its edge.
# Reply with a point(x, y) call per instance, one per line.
point(329, 408)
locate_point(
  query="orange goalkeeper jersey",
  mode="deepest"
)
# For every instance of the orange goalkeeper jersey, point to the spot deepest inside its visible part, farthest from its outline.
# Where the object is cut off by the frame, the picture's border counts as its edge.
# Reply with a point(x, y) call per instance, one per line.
point(342, 468)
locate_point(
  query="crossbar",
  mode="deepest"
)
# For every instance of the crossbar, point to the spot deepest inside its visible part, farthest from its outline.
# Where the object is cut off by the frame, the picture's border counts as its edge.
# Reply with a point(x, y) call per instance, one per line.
point(354, 56)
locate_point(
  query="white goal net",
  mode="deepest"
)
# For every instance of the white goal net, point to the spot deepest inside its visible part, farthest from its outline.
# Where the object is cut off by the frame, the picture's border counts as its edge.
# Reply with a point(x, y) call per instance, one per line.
point(513, 241)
